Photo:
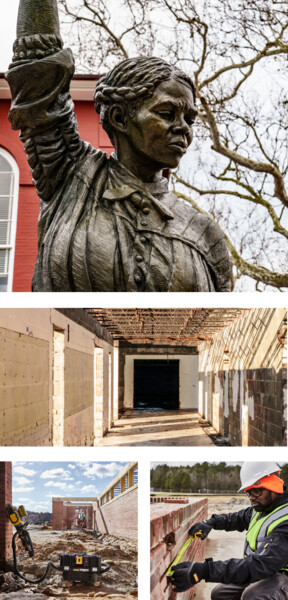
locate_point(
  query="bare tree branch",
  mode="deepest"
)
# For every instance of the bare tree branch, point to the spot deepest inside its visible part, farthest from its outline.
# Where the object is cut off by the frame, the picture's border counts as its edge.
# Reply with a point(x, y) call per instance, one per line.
point(279, 189)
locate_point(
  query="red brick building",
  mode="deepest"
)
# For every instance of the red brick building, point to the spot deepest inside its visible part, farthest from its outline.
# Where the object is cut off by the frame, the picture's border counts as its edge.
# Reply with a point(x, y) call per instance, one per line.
point(19, 204)
point(65, 513)
point(114, 511)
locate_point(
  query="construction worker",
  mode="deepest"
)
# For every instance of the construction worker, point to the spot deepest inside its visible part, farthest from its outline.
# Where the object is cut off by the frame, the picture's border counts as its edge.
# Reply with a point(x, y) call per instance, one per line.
point(263, 572)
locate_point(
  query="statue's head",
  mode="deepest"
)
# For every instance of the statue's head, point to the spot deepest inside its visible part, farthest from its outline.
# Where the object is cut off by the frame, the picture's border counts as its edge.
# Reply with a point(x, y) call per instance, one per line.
point(138, 86)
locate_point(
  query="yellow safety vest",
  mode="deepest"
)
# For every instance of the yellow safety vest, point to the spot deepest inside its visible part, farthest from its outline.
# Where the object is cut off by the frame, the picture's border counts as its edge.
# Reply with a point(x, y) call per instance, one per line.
point(260, 527)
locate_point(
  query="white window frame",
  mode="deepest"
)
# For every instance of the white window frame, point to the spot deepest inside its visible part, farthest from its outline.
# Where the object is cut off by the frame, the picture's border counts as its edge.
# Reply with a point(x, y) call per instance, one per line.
point(11, 247)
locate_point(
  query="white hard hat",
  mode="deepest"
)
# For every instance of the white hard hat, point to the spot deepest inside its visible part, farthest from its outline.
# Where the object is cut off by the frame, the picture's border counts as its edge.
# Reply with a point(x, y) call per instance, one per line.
point(251, 472)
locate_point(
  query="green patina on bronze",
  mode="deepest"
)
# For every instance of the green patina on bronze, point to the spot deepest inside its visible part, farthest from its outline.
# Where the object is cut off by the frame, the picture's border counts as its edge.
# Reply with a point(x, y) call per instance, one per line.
point(109, 224)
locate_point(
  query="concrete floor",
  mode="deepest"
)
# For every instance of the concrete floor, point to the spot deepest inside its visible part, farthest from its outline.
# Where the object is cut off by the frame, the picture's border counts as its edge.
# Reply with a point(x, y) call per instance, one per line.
point(157, 428)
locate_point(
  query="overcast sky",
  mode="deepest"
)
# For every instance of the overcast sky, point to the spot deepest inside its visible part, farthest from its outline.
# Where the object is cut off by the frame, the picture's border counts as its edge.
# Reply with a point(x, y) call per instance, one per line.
point(7, 32)
point(35, 483)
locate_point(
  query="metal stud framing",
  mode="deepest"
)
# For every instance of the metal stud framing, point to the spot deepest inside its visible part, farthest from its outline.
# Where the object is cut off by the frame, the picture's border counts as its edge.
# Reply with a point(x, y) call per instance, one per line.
point(183, 326)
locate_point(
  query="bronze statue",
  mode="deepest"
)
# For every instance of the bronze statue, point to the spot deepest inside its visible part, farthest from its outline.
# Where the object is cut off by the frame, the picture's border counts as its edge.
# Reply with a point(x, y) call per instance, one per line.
point(109, 224)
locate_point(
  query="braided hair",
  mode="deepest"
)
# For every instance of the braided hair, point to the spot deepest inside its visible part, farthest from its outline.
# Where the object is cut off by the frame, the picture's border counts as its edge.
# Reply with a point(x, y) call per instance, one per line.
point(132, 81)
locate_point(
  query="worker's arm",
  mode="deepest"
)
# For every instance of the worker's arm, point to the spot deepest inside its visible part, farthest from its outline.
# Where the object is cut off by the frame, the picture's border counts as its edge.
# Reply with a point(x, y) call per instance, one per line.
point(37, 16)
point(238, 521)
point(268, 560)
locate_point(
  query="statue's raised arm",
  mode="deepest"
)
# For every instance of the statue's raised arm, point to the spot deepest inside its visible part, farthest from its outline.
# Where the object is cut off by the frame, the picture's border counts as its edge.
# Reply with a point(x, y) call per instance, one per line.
point(36, 17)
point(110, 224)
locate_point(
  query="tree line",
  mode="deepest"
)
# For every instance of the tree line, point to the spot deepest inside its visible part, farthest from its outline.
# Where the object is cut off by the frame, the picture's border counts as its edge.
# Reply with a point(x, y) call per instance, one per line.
point(199, 478)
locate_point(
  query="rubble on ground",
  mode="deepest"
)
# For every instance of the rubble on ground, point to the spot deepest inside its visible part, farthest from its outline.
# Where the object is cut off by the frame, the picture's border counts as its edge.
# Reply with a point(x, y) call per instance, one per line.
point(119, 583)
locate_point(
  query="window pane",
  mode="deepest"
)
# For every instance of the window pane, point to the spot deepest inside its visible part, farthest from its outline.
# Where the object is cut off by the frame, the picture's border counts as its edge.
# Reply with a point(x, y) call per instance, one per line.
point(135, 476)
point(6, 184)
point(5, 232)
point(4, 165)
point(117, 490)
point(3, 283)
point(4, 261)
point(8, 204)
point(5, 204)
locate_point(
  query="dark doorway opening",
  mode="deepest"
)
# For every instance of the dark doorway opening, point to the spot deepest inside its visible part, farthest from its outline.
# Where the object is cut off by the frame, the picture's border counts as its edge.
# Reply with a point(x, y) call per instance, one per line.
point(156, 384)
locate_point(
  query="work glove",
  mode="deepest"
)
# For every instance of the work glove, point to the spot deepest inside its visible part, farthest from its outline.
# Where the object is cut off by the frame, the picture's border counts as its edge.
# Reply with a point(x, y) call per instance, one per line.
point(202, 527)
point(187, 574)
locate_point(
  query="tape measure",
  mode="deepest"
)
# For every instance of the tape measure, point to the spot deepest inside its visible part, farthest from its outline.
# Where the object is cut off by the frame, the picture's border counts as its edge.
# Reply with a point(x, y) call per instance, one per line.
point(182, 551)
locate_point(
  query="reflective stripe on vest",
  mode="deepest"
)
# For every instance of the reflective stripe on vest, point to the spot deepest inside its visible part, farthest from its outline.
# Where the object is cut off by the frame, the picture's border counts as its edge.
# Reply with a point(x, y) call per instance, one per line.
point(260, 528)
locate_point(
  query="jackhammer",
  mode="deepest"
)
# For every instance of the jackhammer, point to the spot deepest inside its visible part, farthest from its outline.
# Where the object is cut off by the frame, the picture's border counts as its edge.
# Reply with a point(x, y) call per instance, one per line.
point(74, 567)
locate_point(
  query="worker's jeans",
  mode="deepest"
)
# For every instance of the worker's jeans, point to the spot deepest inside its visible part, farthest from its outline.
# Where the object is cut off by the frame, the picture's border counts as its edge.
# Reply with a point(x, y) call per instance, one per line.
point(272, 588)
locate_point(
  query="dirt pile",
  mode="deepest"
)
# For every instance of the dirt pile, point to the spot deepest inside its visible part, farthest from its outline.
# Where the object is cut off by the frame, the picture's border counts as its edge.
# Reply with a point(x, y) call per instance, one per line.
point(119, 583)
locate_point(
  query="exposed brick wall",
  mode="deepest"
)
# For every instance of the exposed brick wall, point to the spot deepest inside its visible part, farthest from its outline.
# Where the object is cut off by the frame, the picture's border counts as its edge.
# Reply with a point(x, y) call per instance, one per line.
point(5, 525)
point(70, 514)
point(170, 500)
point(244, 377)
point(57, 515)
point(169, 527)
point(120, 516)
point(63, 514)
point(265, 414)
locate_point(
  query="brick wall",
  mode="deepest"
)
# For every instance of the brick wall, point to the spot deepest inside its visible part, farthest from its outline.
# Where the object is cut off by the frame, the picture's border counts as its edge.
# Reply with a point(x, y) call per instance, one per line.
point(5, 525)
point(70, 514)
point(63, 514)
point(28, 206)
point(264, 390)
point(244, 379)
point(170, 522)
point(57, 515)
point(120, 516)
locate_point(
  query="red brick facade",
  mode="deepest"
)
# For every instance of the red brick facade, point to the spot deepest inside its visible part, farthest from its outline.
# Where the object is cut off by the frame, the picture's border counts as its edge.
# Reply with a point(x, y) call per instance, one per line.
point(120, 516)
point(169, 527)
point(28, 204)
point(5, 525)
point(64, 512)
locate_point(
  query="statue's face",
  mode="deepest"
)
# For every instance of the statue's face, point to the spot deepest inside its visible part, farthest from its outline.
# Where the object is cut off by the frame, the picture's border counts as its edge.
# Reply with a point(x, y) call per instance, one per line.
point(161, 130)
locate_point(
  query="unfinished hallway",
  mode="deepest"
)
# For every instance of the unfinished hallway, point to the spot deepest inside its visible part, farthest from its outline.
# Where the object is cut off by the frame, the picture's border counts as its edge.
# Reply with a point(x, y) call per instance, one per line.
point(100, 377)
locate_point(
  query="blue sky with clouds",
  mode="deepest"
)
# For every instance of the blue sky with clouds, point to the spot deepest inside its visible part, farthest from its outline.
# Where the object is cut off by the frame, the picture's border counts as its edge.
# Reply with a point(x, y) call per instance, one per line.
point(35, 483)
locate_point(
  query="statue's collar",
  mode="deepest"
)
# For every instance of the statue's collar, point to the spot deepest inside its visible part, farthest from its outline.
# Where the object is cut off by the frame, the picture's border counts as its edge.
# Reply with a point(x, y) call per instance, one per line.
point(123, 184)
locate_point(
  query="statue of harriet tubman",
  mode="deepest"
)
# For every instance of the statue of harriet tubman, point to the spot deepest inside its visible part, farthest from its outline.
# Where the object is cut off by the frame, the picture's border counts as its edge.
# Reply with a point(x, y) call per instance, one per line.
point(110, 224)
